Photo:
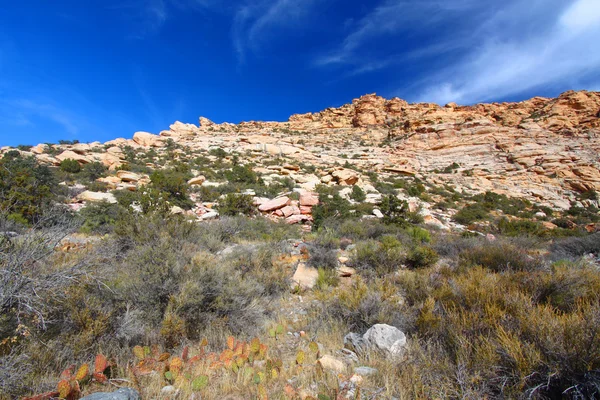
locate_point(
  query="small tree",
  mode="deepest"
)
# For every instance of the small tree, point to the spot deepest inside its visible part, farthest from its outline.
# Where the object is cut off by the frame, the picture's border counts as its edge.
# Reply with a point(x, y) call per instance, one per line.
point(70, 165)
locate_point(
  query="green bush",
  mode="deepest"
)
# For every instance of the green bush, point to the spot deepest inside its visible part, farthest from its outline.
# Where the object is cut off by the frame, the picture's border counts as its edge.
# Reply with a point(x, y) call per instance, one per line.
point(99, 217)
point(331, 207)
point(241, 174)
point(358, 194)
point(173, 184)
point(235, 204)
point(395, 211)
point(381, 257)
point(499, 257)
point(69, 165)
point(93, 171)
point(26, 187)
point(471, 213)
point(421, 257)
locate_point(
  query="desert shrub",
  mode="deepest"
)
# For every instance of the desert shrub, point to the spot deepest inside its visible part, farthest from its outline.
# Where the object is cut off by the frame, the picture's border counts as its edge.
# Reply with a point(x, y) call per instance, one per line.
point(421, 257)
point(327, 278)
point(69, 165)
point(451, 246)
point(26, 187)
point(219, 296)
point(520, 228)
point(381, 257)
point(241, 174)
point(394, 210)
point(233, 204)
point(330, 207)
point(419, 235)
point(575, 247)
point(322, 257)
point(500, 256)
point(174, 185)
point(218, 152)
point(93, 171)
point(99, 217)
point(471, 213)
point(357, 307)
point(358, 194)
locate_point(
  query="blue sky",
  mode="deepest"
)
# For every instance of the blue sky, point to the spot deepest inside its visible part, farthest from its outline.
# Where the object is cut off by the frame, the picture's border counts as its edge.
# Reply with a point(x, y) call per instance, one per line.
point(97, 70)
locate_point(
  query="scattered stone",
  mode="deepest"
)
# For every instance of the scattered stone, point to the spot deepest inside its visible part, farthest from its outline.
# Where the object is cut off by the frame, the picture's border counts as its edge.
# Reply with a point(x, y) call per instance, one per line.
point(365, 371)
point(198, 180)
point(209, 215)
point(274, 204)
point(332, 363)
point(121, 394)
point(377, 213)
point(97, 197)
point(305, 276)
point(386, 338)
point(355, 342)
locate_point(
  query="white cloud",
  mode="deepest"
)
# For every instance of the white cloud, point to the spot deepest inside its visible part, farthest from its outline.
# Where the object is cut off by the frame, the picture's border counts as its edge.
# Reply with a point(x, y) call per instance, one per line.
point(255, 21)
point(561, 53)
point(403, 20)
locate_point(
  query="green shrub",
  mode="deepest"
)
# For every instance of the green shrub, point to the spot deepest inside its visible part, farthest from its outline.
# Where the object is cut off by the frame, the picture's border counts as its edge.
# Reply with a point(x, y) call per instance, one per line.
point(358, 194)
point(93, 171)
point(99, 217)
point(471, 213)
point(381, 257)
point(499, 257)
point(241, 174)
point(173, 184)
point(235, 204)
point(26, 187)
point(69, 165)
point(330, 207)
point(395, 211)
point(421, 257)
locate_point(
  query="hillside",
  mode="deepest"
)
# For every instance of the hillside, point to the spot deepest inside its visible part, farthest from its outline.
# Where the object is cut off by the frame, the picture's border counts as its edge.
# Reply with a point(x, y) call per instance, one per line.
point(379, 250)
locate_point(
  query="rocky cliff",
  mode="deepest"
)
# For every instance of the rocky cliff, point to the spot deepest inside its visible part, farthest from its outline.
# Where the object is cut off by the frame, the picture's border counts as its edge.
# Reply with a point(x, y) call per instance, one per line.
point(546, 150)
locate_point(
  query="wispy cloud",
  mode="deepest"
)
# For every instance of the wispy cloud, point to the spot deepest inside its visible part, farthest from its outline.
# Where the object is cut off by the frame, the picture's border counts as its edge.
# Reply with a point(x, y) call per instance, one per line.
point(254, 21)
point(547, 46)
point(405, 21)
point(23, 112)
point(472, 50)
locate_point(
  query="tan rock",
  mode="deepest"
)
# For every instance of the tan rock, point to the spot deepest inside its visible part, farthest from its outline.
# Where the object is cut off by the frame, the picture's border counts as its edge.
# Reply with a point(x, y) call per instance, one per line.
point(305, 276)
point(274, 204)
point(198, 180)
point(96, 197)
point(68, 154)
point(345, 176)
point(127, 176)
point(309, 199)
point(148, 139)
point(331, 363)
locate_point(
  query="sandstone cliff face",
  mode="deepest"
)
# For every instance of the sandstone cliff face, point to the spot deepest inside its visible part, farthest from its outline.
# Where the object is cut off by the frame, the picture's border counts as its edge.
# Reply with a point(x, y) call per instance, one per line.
point(542, 149)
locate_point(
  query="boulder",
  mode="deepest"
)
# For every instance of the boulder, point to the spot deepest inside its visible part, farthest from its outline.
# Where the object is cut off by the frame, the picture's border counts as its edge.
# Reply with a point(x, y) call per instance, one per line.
point(69, 154)
point(386, 338)
point(121, 394)
point(198, 180)
point(274, 204)
point(127, 176)
point(355, 342)
point(147, 139)
point(332, 363)
point(96, 197)
point(305, 276)
point(309, 199)
point(345, 176)
point(209, 215)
